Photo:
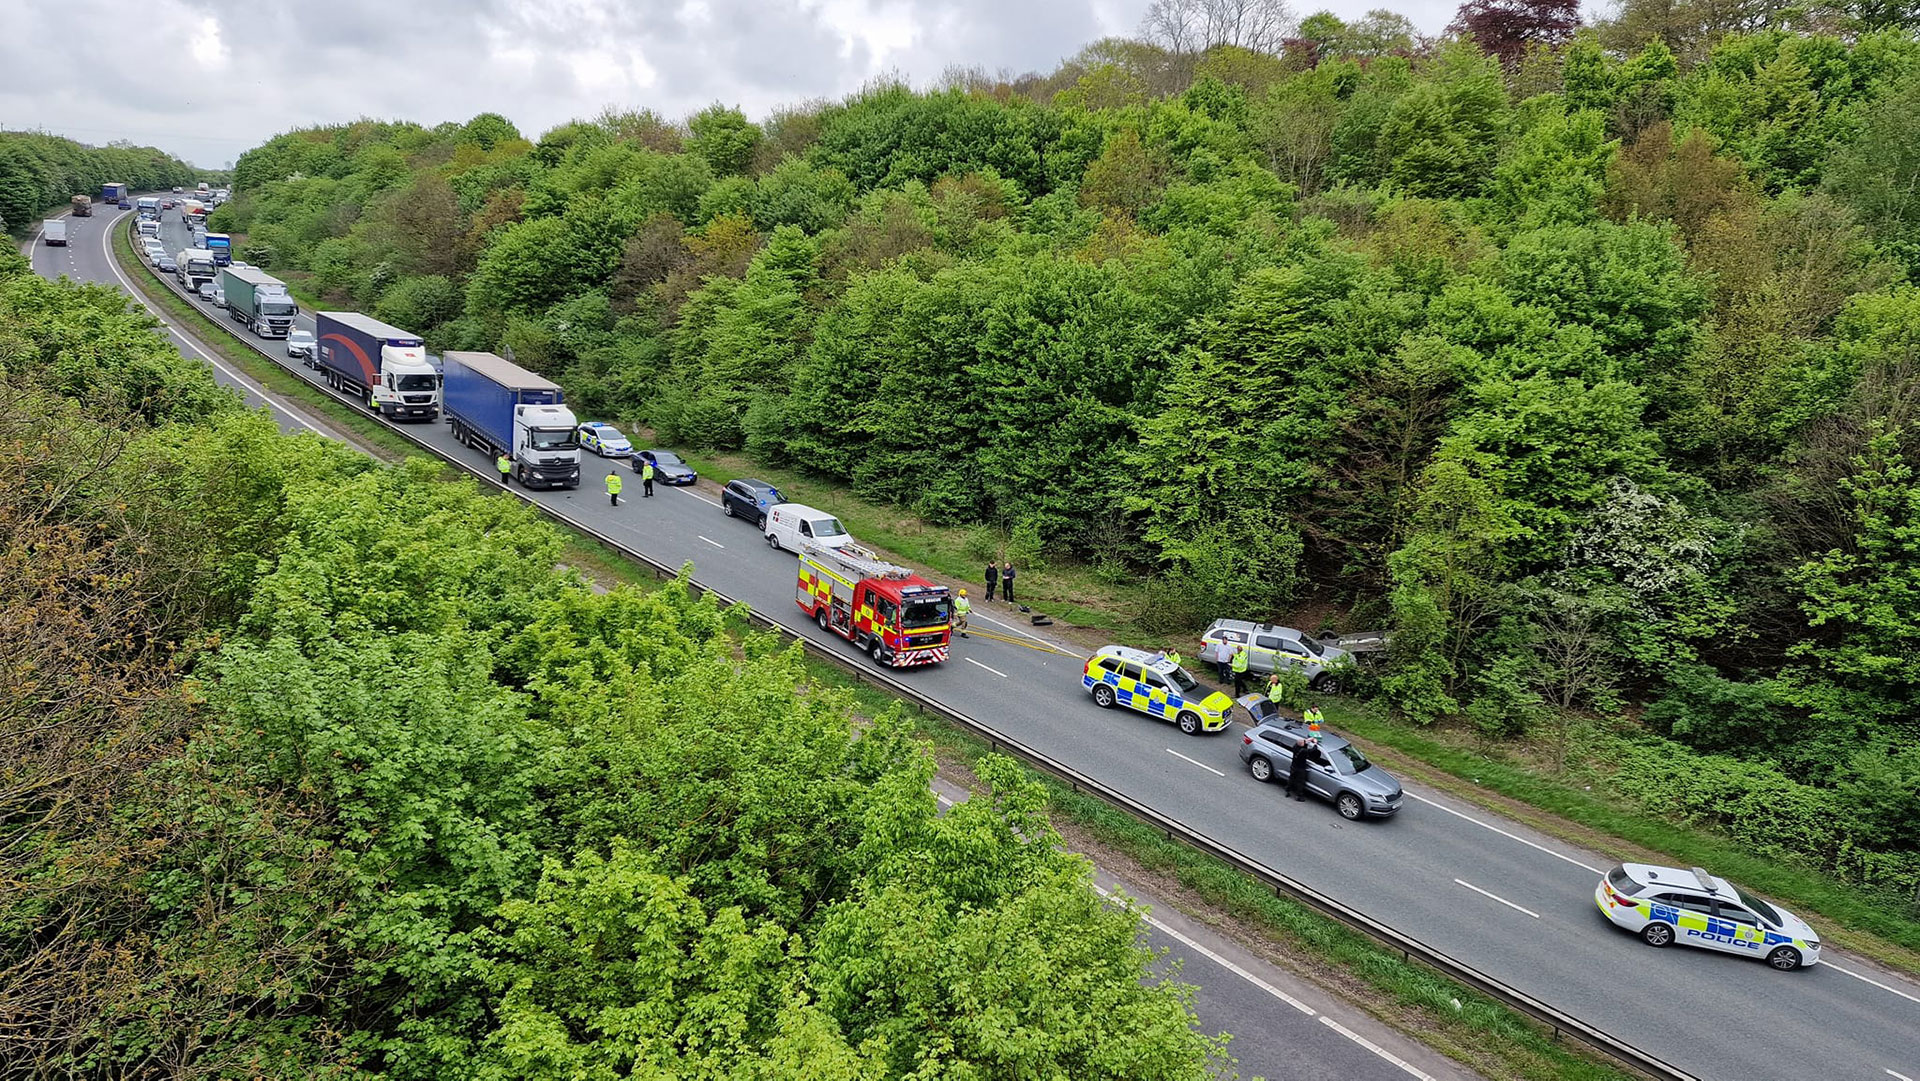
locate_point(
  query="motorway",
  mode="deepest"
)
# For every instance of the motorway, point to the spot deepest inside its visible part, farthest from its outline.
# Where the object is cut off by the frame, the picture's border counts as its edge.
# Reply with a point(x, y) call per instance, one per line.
point(1491, 893)
point(1283, 1025)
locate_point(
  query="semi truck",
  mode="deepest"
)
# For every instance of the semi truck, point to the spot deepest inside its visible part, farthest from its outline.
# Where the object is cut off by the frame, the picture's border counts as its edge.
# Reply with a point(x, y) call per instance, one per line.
point(112, 193)
point(258, 300)
point(148, 208)
point(497, 406)
point(82, 207)
point(55, 232)
point(381, 365)
point(194, 265)
point(221, 245)
point(884, 609)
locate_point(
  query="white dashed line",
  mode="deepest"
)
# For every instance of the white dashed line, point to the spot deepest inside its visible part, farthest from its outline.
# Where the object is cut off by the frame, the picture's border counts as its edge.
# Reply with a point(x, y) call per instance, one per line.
point(1498, 898)
point(988, 667)
point(711, 541)
point(1876, 983)
point(1375, 1048)
point(1503, 833)
point(1901, 1076)
point(1202, 765)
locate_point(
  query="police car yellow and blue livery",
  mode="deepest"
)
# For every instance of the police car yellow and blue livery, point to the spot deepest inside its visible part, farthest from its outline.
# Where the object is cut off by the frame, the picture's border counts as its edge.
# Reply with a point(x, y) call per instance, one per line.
point(1664, 905)
point(1152, 684)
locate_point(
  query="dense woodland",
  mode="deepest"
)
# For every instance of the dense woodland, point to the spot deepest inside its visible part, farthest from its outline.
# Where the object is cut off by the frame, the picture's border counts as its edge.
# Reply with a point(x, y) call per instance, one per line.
point(1584, 359)
point(42, 173)
point(320, 768)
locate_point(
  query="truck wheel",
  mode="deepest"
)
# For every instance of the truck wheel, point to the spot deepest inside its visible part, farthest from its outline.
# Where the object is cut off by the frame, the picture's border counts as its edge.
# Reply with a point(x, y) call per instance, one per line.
point(820, 617)
point(878, 651)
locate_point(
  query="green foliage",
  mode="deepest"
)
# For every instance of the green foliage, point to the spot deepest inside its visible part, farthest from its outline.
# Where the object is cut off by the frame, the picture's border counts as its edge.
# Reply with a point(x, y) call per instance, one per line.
point(40, 173)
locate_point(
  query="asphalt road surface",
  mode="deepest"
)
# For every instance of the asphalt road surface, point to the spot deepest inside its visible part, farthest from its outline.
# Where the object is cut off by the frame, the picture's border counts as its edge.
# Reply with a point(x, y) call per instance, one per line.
point(1283, 1025)
point(1491, 893)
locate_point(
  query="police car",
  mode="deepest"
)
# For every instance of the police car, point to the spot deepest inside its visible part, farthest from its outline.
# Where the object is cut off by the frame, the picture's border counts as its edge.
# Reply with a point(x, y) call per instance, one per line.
point(1119, 675)
point(1664, 905)
point(604, 440)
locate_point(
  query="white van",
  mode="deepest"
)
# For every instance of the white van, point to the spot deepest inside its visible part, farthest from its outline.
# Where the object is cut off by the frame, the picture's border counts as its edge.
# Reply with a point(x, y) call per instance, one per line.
point(148, 227)
point(791, 525)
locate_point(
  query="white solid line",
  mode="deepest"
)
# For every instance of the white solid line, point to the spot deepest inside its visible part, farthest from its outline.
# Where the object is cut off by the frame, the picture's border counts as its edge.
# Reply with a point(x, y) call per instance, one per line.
point(1219, 960)
point(711, 541)
point(988, 667)
point(1498, 898)
point(1375, 1048)
point(1011, 627)
point(700, 497)
point(1876, 983)
point(1202, 765)
point(1901, 1076)
point(1503, 833)
point(106, 249)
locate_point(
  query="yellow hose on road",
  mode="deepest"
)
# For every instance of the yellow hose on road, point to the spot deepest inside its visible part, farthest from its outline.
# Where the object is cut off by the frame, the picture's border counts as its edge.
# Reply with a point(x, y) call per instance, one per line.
point(1027, 642)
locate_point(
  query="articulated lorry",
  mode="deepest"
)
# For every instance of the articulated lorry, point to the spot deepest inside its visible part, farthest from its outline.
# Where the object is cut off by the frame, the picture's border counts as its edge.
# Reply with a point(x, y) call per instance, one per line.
point(148, 208)
point(193, 266)
point(382, 365)
point(497, 406)
point(112, 193)
point(259, 300)
point(221, 245)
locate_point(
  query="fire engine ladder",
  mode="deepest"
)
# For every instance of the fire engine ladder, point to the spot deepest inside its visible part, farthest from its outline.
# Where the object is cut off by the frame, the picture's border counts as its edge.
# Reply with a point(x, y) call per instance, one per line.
point(858, 560)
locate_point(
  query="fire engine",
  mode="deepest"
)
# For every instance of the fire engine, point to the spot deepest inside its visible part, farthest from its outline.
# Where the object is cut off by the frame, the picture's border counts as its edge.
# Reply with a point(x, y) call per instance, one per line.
point(884, 609)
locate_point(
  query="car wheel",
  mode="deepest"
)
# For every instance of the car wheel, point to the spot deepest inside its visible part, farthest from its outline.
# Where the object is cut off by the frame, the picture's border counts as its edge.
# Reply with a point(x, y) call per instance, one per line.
point(1261, 769)
point(726, 508)
point(1103, 696)
point(762, 523)
point(1349, 806)
point(1325, 684)
point(1189, 722)
point(1786, 959)
point(1658, 935)
point(773, 542)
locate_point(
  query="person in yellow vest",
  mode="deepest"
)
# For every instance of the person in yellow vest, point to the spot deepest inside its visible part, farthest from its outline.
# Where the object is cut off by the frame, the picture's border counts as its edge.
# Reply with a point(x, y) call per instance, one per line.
point(613, 487)
point(646, 479)
point(505, 467)
point(1240, 661)
point(1174, 656)
point(962, 608)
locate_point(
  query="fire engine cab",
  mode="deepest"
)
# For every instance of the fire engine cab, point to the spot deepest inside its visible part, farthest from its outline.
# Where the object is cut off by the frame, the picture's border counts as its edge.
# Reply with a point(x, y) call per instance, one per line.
point(884, 609)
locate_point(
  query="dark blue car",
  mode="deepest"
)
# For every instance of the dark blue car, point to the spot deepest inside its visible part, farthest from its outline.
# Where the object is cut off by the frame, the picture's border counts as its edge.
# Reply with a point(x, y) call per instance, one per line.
point(749, 499)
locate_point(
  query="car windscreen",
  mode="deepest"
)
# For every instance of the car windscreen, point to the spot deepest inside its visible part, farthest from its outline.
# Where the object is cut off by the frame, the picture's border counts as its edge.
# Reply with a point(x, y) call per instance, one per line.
point(609, 435)
point(1767, 912)
point(1348, 759)
point(923, 614)
point(1313, 647)
point(666, 457)
point(828, 527)
point(1184, 681)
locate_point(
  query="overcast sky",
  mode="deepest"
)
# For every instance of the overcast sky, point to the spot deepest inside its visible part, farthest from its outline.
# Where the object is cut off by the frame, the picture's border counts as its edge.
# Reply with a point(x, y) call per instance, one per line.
point(206, 79)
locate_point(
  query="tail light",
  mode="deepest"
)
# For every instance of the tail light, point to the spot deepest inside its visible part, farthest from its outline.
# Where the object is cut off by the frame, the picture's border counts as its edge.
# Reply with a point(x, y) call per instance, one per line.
point(1244, 740)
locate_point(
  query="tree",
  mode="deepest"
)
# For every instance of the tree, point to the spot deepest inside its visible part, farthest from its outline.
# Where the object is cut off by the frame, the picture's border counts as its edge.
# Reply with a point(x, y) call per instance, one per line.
point(725, 138)
point(1508, 28)
point(1193, 26)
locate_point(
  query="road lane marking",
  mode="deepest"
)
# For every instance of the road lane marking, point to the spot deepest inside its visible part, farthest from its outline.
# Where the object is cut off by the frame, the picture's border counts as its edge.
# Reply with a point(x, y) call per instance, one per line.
point(106, 249)
point(1497, 897)
point(988, 667)
point(1215, 958)
point(1011, 627)
point(711, 541)
point(1876, 983)
point(700, 497)
point(1503, 833)
point(1202, 765)
point(1375, 1048)
point(1901, 1076)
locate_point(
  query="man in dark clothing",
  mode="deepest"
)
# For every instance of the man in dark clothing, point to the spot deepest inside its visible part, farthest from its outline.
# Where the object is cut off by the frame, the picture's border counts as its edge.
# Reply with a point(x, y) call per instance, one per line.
point(1006, 582)
point(993, 578)
point(1297, 772)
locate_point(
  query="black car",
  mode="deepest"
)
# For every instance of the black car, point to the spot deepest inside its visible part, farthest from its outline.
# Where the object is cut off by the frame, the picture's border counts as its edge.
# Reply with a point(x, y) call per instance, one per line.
point(749, 499)
point(667, 466)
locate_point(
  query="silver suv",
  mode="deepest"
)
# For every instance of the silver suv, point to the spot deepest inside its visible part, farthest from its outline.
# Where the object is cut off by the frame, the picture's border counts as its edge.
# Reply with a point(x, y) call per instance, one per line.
point(1271, 648)
point(1336, 770)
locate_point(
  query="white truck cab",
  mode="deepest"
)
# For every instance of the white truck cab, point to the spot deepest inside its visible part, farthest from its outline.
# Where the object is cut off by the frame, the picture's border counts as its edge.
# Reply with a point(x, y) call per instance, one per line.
point(546, 443)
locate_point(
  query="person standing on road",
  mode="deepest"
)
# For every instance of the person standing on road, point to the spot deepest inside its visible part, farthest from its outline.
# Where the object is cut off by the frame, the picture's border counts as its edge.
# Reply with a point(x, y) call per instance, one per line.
point(1240, 660)
point(646, 479)
point(505, 466)
point(1006, 581)
point(614, 484)
point(1297, 770)
point(962, 608)
point(993, 577)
